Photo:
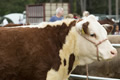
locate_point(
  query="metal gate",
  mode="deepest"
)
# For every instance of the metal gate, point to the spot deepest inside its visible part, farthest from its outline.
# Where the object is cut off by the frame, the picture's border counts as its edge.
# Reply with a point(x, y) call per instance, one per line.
point(35, 13)
point(83, 77)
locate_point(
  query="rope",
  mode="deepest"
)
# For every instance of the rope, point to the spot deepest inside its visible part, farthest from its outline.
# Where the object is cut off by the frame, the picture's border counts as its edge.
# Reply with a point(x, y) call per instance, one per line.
point(97, 52)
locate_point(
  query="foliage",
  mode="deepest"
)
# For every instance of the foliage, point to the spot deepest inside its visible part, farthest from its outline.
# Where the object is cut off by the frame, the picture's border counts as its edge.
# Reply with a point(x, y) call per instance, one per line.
point(93, 6)
point(13, 6)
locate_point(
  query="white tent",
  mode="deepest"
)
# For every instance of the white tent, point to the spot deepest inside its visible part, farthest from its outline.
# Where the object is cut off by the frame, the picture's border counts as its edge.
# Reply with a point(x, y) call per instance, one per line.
point(17, 18)
point(5, 22)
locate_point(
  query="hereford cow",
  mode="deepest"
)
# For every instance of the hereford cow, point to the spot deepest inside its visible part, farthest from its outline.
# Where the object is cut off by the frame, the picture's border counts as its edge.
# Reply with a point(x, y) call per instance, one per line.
point(52, 50)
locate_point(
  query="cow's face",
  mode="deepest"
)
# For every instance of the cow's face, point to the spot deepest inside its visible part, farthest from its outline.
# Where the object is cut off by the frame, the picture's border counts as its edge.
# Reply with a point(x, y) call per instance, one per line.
point(92, 35)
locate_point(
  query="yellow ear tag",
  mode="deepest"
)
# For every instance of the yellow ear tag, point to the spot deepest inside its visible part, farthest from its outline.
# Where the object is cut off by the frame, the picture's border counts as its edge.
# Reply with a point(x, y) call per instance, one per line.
point(82, 31)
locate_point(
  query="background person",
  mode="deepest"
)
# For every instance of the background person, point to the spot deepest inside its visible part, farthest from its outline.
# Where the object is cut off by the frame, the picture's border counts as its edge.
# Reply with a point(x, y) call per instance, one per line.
point(85, 14)
point(116, 30)
point(58, 16)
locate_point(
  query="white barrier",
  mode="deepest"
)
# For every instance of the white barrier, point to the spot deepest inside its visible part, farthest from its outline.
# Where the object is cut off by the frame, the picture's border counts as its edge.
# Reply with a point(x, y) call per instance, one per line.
point(93, 77)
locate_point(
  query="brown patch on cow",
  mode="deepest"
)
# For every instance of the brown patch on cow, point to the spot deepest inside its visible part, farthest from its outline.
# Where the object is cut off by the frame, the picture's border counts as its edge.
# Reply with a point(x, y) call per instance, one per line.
point(71, 61)
point(73, 23)
point(85, 27)
point(27, 53)
point(64, 62)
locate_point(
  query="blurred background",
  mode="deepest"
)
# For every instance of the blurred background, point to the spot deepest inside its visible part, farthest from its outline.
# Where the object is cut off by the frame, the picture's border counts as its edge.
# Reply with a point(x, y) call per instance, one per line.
point(35, 11)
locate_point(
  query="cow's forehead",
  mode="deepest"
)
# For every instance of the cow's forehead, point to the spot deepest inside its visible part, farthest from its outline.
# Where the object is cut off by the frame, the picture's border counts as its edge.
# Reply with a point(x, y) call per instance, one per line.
point(98, 29)
point(94, 26)
point(89, 19)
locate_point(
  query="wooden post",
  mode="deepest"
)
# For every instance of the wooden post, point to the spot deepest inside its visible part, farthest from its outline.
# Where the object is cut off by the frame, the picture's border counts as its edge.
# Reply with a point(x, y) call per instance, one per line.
point(117, 12)
point(71, 6)
point(60, 1)
point(84, 5)
point(110, 7)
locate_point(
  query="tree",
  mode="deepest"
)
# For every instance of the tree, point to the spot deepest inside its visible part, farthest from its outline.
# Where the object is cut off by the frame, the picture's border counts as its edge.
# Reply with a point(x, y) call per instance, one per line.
point(76, 6)
point(11, 6)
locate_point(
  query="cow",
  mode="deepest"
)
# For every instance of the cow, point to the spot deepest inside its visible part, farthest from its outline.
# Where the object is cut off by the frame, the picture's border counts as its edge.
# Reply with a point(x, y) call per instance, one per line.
point(52, 50)
point(109, 68)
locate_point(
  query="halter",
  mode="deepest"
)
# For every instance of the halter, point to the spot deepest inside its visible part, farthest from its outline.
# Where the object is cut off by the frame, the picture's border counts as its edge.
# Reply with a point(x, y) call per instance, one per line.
point(96, 44)
point(97, 51)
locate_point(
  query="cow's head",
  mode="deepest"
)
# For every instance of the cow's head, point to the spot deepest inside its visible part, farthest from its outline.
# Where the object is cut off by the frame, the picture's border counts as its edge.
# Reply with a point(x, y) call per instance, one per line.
point(92, 36)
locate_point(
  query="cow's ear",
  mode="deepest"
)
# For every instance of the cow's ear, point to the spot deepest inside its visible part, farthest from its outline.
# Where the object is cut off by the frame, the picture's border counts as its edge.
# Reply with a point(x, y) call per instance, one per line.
point(82, 27)
point(108, 28)
point(85, 28)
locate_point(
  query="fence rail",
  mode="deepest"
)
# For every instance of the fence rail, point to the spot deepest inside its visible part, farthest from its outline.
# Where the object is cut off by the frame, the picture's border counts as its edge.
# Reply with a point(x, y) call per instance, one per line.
point(116, 45)
point(93, 77)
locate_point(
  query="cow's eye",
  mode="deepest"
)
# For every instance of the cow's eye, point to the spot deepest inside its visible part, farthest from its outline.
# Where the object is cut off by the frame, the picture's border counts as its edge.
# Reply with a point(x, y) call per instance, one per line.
point(93, 35)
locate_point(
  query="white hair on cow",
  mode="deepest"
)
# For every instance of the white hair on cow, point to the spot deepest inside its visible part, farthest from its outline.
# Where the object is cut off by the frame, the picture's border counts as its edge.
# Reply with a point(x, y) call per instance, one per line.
point(44, 24)
point(92, 17)
point(79, 25)
point(66, 21)
point(89, 18)
point(54, 24)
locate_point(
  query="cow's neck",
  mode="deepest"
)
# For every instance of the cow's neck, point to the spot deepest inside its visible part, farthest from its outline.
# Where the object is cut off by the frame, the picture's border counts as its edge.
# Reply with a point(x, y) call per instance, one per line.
point(67, 54)
point(71, 53)
point(74, 47)
point(67, 57)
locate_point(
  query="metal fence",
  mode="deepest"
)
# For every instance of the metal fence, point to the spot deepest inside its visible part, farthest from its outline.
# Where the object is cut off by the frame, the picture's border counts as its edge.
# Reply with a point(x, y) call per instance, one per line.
point(83, 77)
point(116, 45)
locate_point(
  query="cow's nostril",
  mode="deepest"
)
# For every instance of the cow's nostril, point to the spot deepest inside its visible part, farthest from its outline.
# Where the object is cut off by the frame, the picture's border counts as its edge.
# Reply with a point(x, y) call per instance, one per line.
point(112, 53)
